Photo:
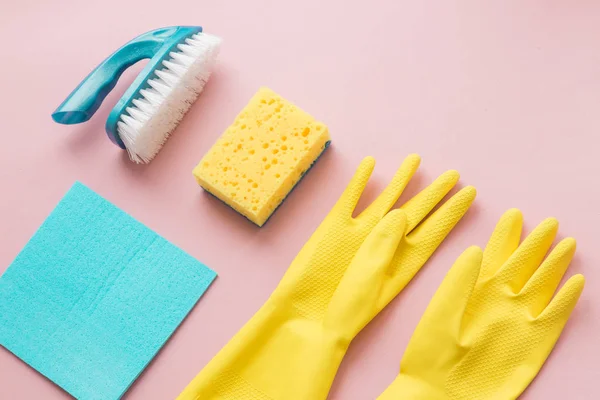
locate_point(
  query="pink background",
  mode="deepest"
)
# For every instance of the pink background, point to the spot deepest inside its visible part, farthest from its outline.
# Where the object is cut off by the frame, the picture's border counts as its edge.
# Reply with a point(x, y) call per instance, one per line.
point(507, 92)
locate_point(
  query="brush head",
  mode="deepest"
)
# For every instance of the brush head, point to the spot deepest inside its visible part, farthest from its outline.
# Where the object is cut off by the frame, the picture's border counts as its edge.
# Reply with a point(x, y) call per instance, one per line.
point(157, 110)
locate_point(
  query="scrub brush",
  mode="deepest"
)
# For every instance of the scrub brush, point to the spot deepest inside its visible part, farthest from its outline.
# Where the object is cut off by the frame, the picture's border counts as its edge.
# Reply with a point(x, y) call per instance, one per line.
point(181, 62)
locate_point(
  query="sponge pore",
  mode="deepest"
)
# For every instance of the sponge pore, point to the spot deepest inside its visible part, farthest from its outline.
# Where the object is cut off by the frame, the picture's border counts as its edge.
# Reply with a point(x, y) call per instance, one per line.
point(259, 159)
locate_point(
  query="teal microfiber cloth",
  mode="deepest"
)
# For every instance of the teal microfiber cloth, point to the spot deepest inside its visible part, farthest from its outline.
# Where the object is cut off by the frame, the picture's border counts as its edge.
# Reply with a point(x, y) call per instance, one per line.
point(94, 295)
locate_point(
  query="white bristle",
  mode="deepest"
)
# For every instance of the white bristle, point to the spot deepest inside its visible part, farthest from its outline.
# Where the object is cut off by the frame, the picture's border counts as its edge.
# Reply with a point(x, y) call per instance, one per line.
point(143, 106)
point(161, 88)
point(137, 114)
point(167, 77)
point(182, 59)
point(147, 124)
point(177, 69)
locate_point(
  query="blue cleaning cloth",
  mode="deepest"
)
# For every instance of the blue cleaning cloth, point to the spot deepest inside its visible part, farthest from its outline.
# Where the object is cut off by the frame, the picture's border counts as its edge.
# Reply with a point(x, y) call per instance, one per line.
point(94, 295)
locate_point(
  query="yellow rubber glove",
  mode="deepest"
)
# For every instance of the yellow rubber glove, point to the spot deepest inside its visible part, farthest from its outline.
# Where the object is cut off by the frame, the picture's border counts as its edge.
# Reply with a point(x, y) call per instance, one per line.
point(292, 347)
point(493, 322)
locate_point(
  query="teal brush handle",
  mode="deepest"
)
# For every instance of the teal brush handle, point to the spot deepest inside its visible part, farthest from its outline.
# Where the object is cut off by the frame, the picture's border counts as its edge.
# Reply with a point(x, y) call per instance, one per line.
point(85, 100)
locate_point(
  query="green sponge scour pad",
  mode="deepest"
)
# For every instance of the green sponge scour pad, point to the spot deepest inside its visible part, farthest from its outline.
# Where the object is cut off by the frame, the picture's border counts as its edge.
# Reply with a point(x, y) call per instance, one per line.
point(262, 155)
point(94, 295)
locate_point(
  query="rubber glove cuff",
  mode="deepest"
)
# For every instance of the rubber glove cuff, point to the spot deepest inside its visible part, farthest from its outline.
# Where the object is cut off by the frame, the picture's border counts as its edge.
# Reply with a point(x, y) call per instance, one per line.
point(411, 388)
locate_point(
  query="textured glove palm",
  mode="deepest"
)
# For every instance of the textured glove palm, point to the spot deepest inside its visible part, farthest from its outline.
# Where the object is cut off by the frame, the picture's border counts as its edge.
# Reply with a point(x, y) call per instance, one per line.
point(493, 321)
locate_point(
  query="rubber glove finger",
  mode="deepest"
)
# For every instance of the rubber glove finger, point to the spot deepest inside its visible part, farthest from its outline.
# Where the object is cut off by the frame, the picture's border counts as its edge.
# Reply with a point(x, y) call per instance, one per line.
point(353, 303)
point(519, 267)
point(559, 310)
point(419, 245)
point(445, 312)
point(542, 285)
point(503, 243)
point(421, 205)
point(386, 200)
point(425, 238)
point(349, 199)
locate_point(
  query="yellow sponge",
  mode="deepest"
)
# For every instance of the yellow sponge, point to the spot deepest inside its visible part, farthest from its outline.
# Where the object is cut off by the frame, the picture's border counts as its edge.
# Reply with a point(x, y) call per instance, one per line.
point(262, 155)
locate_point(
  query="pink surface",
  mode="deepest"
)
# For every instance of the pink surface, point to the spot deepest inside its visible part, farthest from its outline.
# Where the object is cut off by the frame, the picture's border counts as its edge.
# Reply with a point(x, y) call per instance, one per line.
point(506, 92)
